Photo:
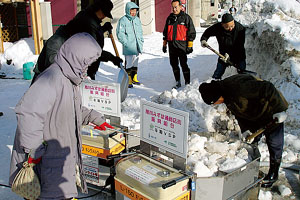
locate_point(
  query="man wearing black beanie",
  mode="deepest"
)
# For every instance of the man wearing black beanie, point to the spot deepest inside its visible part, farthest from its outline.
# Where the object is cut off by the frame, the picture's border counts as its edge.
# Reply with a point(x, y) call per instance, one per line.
point(231, 38)
point(254, 103)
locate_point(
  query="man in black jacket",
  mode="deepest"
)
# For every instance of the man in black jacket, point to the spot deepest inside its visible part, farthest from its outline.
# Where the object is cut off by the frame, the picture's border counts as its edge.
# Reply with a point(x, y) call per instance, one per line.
point(85, 21)
point(179, 33)
point(231, 38)
point(255, 103)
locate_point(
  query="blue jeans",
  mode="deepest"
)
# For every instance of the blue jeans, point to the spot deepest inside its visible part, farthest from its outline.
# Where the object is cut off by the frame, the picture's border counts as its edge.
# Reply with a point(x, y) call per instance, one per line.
point(221, 66)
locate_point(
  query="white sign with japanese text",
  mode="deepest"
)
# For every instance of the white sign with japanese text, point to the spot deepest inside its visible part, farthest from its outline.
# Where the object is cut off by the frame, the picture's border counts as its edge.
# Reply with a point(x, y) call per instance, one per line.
point(165, 128)
point(101, 96)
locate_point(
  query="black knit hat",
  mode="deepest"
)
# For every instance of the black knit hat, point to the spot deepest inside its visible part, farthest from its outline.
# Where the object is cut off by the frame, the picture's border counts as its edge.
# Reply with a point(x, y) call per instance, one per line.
point(105, 5)
point(210, 92)
point(227, 18)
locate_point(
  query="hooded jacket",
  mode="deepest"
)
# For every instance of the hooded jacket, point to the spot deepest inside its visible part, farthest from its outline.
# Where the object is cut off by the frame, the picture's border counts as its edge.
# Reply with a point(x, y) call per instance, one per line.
point(130, 32)
point(179, 30)
point(51, 111)
point(251, 100)
point(231, 42)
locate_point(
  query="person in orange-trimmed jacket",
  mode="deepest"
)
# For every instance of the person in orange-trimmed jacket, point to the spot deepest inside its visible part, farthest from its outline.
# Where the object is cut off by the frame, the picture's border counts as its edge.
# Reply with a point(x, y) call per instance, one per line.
point(179, 33)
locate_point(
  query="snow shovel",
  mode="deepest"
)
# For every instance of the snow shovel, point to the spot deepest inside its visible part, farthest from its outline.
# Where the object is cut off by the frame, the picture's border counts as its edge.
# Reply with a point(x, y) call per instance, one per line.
point(231, 63)
point(123, 76)
point(269, 126)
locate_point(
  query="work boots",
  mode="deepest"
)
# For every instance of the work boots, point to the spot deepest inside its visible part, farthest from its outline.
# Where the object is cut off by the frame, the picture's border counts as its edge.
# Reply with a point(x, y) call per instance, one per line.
point(177, 79)
point(129, 78)
point(187, 77)
point(134, 76)
point(272, 176)
point(178, 85)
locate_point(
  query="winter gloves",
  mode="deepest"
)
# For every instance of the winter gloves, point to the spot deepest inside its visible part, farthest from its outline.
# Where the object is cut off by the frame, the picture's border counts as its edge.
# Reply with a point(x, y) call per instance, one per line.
point(245, 135)
point(107, 27)
point(164, 48)
point(103, 126)
point(204, 43)
point(281, 117)
point(226, 58)
point(35, 161)
point(189, 48)
point(116, 61)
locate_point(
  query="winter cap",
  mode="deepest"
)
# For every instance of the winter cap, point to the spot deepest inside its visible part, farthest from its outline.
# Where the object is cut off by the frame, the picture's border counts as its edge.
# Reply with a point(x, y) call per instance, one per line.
point(210, 92)
point(227, 18)
point(105, 5)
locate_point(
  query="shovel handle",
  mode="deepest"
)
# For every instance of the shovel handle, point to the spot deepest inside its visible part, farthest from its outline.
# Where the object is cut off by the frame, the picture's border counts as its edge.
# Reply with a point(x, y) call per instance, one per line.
point(228, 61)
point(250, 137)
point(261, 130)
point(220, 55)
point(114, 44)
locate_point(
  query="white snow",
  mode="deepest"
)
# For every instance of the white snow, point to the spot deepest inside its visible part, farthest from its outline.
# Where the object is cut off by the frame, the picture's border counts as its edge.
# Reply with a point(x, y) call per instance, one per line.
point(265, 195)
point(284, 191)
point(272, 46)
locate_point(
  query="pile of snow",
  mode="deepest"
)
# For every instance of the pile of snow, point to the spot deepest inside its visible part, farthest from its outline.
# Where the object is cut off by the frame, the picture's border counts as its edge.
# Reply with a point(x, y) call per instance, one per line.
point(202, 117)
point(273, 48)
point(15, 55)
point(214, 156)
point(265, 195)
point(284, 191)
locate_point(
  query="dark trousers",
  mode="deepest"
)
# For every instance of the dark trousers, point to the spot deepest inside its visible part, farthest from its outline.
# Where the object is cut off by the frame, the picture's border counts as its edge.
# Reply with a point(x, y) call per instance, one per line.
point(221, 67)
point(275, 141)
point(176, 56)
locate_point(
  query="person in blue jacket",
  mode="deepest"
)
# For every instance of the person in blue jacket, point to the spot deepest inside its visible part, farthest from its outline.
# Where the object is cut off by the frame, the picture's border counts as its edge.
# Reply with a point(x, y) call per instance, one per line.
point(130, 34)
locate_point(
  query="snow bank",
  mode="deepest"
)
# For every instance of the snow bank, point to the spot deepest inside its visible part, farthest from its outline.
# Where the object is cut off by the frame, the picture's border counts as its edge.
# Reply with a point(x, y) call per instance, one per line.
point(273, 47)
point(15, 55)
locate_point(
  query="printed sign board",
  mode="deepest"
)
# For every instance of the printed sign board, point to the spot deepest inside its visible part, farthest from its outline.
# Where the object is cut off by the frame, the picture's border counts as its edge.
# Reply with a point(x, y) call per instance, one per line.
point(165, 128)
point(101, 96)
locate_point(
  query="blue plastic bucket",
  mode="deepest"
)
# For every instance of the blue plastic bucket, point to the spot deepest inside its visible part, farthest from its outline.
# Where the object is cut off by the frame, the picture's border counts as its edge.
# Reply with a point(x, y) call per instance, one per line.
point(28, 70)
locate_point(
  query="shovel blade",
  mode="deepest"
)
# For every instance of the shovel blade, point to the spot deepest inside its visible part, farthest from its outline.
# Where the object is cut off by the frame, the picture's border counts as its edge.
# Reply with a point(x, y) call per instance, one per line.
point(123, 81)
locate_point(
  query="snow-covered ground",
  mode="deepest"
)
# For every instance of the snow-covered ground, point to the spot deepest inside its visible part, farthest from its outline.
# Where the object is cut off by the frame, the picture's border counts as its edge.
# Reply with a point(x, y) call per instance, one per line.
point(272, 46)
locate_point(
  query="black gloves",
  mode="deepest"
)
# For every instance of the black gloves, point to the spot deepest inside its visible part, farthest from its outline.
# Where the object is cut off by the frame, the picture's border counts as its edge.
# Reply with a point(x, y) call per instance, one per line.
point(164, 49)
point(107, 27)
point(189, 50)
point(117, 61)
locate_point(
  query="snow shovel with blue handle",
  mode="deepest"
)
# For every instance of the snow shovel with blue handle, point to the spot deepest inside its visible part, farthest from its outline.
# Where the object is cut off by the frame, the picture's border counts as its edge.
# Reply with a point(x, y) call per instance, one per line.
point(123, 76)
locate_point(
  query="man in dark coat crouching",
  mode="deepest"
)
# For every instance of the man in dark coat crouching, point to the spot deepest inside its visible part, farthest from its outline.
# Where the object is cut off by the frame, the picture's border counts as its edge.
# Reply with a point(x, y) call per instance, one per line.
point(255, 103)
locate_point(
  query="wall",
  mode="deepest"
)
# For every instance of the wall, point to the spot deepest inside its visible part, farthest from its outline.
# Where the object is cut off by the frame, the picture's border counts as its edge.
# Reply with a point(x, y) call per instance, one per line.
point(209, 12)
point(62, 11)
point(162, 11)
point(147, 16)
point(194, 10)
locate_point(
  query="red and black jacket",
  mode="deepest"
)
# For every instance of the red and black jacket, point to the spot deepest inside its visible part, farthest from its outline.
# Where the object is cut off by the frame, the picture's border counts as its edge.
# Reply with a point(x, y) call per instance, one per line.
point(179, 29)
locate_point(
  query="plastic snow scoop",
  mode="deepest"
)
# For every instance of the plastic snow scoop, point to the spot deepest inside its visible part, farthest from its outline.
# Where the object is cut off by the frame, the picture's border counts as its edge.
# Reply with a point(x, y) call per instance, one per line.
point(231, 63)
point(123, 76)
point(270, 125)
